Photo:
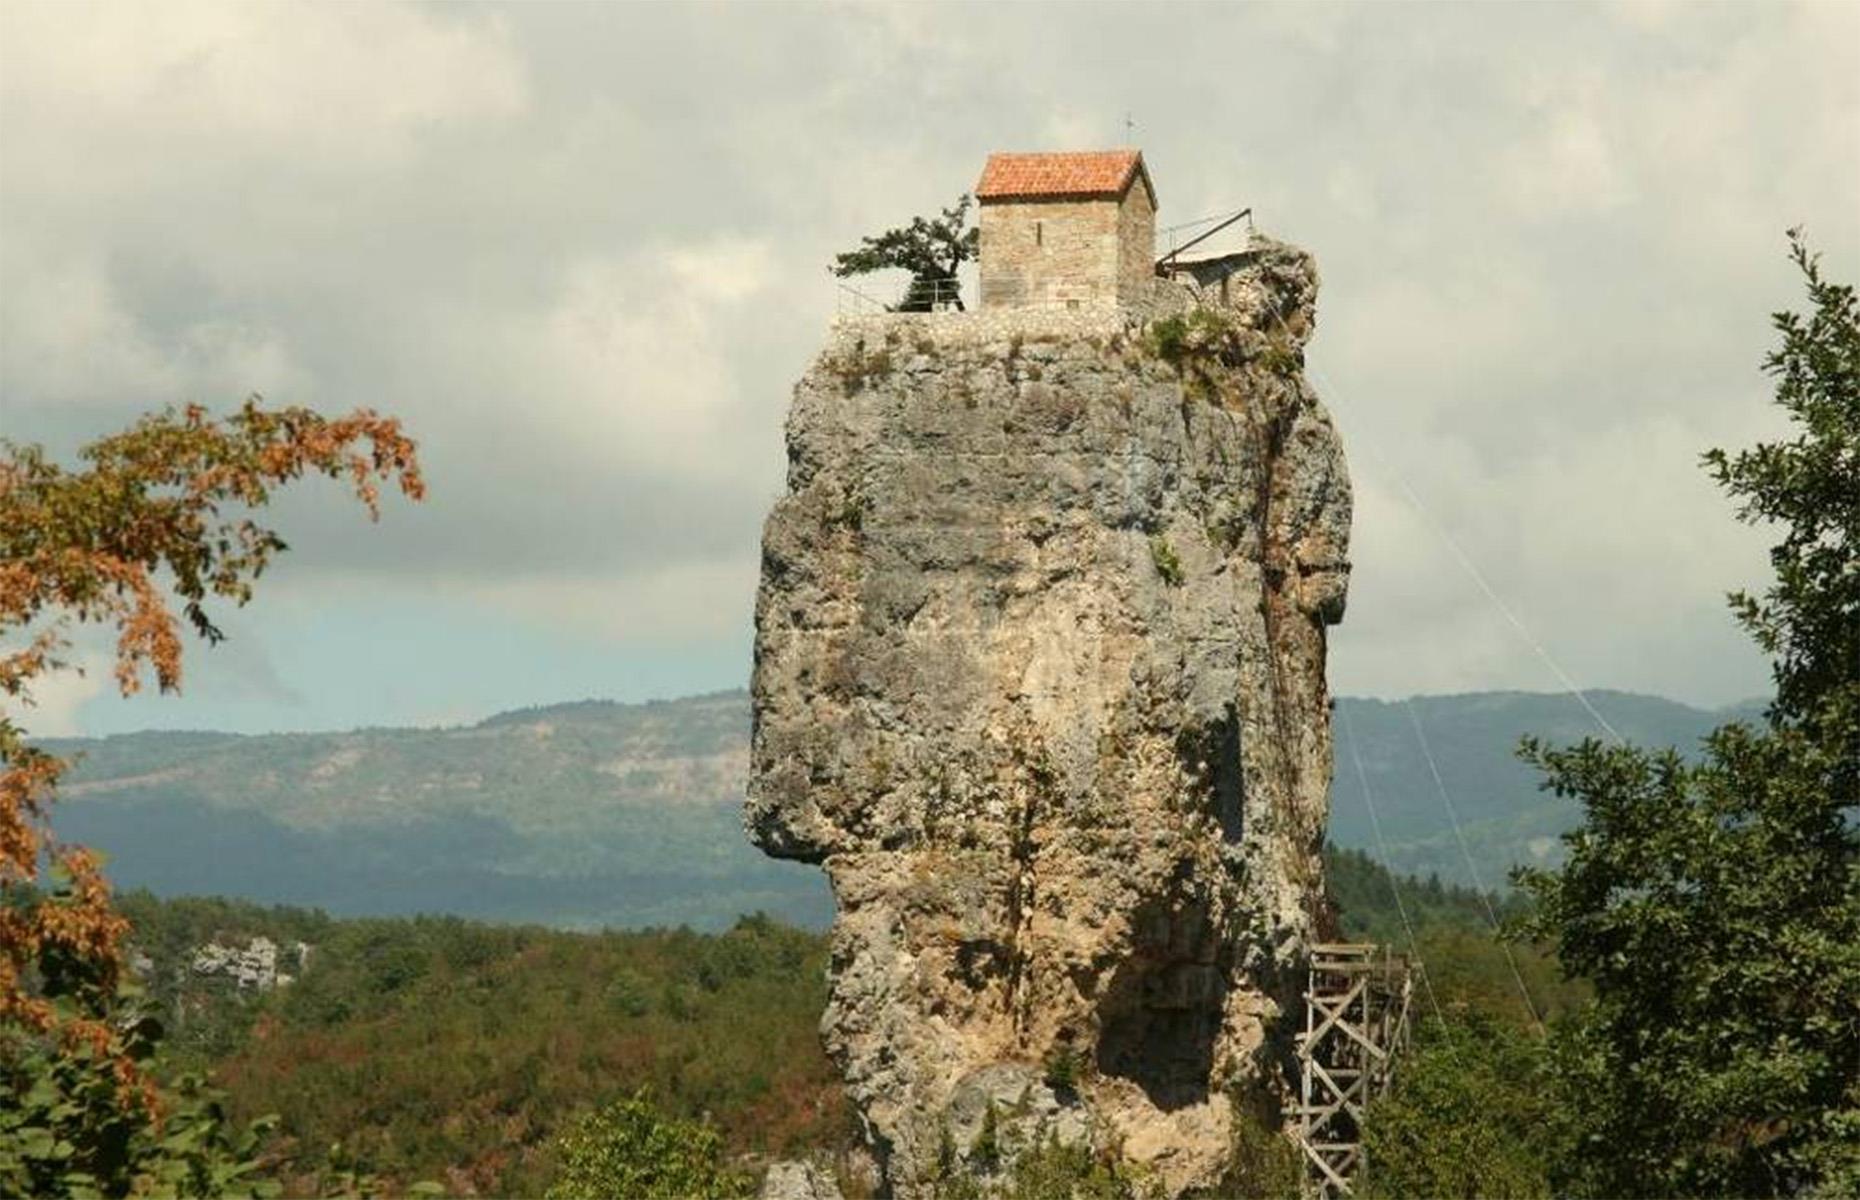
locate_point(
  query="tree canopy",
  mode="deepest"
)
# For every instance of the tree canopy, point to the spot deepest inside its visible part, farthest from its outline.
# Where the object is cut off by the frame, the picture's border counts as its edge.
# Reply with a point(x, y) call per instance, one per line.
point(1715, 906)
point(930, 250)
point(145, 519)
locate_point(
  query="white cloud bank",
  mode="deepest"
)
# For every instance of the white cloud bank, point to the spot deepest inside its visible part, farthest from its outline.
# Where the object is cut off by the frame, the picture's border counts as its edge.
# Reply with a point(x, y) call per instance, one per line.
point(580, 250)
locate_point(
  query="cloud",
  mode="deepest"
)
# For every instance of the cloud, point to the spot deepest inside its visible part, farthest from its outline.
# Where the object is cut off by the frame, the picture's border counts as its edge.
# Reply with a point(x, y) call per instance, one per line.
point(343, 89)
point(580, 251)
point(684, 601)
point(59, 696)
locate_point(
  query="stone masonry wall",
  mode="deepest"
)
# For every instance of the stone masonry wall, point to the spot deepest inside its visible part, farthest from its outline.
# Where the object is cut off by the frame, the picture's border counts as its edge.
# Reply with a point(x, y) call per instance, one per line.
point(1083, 253)
point(1136, 245)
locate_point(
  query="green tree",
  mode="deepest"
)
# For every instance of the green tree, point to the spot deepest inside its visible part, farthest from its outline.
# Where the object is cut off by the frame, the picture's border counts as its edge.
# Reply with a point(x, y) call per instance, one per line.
point(1470, 1115)
point(630, 1149)
point(143, 520)
point(930, 250)
point(1715, 907)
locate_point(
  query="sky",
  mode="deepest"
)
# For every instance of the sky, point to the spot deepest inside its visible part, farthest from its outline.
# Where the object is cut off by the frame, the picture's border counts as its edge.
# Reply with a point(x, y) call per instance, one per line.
point(579, 249)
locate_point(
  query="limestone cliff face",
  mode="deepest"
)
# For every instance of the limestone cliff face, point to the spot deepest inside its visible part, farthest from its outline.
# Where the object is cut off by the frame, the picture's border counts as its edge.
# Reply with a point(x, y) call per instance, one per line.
point(1040, 679)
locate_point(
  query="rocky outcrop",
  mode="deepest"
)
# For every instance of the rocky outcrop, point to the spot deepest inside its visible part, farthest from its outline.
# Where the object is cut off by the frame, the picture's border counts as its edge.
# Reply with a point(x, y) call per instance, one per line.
point(798, 1180)
point(253, 965)
point(1040, 680)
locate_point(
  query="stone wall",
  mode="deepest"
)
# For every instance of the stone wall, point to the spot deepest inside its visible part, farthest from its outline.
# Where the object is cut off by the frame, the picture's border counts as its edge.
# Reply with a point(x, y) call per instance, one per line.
point(1136, 245)
point(1067, 253)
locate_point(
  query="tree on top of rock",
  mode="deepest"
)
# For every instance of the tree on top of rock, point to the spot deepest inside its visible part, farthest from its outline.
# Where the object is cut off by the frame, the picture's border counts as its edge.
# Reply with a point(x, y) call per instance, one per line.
point(930, 250)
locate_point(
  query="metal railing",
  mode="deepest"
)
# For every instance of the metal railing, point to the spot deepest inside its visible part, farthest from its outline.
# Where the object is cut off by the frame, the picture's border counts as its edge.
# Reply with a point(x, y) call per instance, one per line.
point(920, 295)
point(851, 302)
point(931, 295)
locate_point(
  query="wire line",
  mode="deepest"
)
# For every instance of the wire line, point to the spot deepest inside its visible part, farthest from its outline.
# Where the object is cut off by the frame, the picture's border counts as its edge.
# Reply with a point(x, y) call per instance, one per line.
point(1382, 848)
point(1472, 869)
point(1459, 552)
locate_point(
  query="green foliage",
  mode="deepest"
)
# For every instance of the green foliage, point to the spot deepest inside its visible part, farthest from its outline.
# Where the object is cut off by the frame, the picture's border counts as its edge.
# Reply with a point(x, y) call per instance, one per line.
point(441, 1048)
point(1365, 892)
point(1716, 910)
point(64, 1132)
point(1049, 1171)
point(1194, 341)
point(1168, 564)
point(931, 250)
point(630, 1149)
point(1471, 1114)
point(986, 1152)
point(1062, 1070)
point(1467, 966)
point(1168, 339)
point(1265, 1164)
point(1715, 905)
point(1052, 1171)
point(1809, 618)
point(1188, 339)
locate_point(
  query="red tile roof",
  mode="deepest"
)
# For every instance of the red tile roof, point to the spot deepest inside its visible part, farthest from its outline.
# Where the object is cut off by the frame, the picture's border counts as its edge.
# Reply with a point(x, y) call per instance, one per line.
point(1068, 173)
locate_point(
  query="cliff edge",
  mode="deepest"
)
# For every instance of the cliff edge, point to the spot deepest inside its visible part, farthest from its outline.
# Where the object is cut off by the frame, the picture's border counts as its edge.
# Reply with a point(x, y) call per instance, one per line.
point(1039, 678)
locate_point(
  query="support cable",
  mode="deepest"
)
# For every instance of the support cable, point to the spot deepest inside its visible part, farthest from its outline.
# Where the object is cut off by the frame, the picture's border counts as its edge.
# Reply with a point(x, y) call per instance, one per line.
point(1478, 884)
point(1459, 553)
point(1382, 848)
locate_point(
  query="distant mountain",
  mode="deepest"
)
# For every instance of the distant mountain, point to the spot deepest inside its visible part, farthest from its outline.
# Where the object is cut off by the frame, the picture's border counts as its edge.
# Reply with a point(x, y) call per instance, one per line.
point(597, 813)
point(1473, 738)
point(577, 815)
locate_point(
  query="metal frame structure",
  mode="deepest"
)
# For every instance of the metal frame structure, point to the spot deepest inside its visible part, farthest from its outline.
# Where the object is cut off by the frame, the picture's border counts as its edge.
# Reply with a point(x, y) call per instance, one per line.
point(1356, 1022)
point(1168, 263)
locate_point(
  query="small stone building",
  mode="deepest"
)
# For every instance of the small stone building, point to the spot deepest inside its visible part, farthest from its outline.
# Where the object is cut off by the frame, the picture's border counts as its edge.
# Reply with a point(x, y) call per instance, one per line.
point(1073, 229)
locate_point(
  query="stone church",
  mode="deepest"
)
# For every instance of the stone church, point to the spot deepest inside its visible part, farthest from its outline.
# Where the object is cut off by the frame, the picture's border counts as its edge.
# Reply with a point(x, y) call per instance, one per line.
point(1067, 229)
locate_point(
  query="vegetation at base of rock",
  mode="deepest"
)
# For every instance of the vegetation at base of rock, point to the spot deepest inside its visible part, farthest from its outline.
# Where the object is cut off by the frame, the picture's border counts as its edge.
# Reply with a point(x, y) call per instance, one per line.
point(443, 1049)
point(439, 1048)
point(1265, 1164)
point(1050, 1171)
point(139, 529)
point(1472, 1113)
point(630, 1149)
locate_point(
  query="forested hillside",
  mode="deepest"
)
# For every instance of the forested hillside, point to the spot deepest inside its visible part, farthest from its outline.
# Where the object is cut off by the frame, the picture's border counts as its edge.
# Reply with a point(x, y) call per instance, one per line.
point(455, 1051)
point(442, 1049)
point(592, 814)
